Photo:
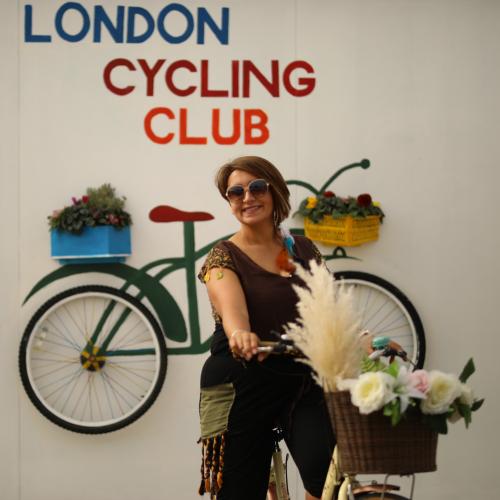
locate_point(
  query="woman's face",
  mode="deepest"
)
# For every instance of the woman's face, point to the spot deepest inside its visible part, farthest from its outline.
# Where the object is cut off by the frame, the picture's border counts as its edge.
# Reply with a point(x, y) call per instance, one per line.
point(250, 209)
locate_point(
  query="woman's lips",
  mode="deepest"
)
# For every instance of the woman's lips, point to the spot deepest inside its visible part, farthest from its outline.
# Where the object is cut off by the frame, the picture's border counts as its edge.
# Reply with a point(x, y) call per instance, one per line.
point(251, 209)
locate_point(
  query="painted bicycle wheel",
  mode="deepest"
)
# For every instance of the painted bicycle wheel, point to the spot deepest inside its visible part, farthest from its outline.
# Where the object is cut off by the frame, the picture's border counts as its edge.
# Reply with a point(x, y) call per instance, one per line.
point(93, 359)
point(387, 311)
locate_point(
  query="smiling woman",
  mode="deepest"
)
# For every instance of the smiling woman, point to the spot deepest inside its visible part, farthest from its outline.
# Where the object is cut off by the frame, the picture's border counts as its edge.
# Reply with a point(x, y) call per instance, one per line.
point(250, 280)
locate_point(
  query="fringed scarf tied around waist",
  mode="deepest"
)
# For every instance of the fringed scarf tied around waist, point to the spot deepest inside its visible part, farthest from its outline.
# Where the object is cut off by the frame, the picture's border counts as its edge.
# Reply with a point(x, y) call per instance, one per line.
point(215, 405)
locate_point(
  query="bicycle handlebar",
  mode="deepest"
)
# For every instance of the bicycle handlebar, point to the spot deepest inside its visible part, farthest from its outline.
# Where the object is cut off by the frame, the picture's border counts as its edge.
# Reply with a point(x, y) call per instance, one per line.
point(382, 347)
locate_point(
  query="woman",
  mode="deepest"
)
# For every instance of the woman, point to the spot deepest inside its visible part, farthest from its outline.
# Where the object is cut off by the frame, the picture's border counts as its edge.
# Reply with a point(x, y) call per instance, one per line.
point(249, 280)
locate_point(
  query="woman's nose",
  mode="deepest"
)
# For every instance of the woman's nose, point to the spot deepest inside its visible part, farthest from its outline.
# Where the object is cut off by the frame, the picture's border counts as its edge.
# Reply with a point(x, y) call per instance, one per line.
point(248, 195)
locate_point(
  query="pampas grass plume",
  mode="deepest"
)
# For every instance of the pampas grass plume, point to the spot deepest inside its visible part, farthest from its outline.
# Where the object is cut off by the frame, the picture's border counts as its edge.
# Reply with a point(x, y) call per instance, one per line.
point(327, 329)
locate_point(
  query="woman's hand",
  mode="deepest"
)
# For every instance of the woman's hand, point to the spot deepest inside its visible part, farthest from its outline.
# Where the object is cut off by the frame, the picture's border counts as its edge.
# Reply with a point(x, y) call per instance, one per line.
point(244, 344)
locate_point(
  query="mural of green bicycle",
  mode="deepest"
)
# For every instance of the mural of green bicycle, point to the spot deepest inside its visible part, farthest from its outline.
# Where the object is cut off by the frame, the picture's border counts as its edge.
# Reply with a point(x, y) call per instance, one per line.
point(93, 358)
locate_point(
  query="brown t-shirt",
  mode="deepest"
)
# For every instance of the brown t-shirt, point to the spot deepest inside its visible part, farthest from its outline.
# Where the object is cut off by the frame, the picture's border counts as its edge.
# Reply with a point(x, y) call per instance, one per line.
point(270, 298)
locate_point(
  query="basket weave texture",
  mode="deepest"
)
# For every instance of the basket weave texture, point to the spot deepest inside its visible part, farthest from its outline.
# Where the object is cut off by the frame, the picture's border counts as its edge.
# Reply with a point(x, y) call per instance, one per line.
point(344, 231)
point(369, 444)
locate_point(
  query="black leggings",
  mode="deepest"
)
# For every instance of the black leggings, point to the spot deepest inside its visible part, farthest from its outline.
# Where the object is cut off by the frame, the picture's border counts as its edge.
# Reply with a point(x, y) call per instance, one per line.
point(274, 392)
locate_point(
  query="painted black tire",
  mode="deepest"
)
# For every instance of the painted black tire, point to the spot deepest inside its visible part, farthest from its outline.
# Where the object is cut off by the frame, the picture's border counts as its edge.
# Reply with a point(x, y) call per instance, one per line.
point(85, 391)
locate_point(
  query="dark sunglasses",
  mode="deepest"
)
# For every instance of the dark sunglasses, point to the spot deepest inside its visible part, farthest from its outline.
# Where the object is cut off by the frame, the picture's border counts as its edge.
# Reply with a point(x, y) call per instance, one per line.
point(257, 188)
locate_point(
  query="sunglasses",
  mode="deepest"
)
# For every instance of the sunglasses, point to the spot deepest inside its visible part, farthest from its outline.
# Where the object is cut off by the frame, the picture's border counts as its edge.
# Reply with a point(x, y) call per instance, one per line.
point(257, 188)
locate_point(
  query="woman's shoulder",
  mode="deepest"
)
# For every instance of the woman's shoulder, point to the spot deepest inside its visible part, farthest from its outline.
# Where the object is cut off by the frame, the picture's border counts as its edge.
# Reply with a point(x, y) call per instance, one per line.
point(218, 256)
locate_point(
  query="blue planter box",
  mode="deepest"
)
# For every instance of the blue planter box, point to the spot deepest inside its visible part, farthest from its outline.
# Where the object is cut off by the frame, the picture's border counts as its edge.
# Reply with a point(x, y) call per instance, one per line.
point(94, 244)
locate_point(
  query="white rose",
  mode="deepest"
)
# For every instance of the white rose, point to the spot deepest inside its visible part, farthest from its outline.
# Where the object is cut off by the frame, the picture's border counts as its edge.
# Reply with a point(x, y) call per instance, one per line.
point(444, 388)
point(466, 395)
point(372, 391)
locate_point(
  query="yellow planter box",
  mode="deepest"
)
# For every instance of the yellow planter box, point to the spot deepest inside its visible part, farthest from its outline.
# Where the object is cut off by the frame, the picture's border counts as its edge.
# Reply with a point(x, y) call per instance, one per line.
point(344, 231)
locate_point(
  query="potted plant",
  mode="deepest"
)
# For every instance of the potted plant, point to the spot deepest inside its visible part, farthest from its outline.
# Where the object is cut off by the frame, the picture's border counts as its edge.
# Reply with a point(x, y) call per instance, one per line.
point(345, 221)
point(94, 228)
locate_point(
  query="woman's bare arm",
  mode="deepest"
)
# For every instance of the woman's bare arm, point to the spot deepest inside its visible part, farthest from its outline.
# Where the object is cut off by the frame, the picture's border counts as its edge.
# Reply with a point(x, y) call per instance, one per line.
point(228, 299)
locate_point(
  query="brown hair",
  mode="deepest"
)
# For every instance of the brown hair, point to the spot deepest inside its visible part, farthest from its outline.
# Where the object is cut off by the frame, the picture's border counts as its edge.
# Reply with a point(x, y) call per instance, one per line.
point(262, 169)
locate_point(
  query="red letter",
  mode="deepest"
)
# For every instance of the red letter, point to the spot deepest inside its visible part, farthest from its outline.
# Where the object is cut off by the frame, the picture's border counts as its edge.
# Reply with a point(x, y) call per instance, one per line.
point(307, 83)
point(183, 137)
point(150, 73)
point(107, 76)
point(205, 91)
point(235, 78)
point(273, 86)
point(169, 79)
point(260, 125)
point(149, 129)
point(216, 127)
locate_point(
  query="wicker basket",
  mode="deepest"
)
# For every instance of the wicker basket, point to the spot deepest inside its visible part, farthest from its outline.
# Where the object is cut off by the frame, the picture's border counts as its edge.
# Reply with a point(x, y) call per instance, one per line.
point(343, 231)
point(369, 444)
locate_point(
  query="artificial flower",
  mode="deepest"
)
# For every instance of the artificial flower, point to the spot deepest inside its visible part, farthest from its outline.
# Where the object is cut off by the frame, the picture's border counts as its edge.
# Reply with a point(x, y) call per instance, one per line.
point(466, 395)
point(444, 388)
point(312, 201)
point(364, 200)
point(372, 391)
point(419, 379)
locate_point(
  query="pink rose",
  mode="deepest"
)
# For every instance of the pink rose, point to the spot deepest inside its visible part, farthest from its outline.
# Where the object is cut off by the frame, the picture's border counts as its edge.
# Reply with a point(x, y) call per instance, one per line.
point(419, 379)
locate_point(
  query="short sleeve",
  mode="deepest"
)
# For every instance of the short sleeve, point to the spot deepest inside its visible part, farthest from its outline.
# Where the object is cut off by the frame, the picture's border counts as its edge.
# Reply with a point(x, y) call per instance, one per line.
point(217, 257)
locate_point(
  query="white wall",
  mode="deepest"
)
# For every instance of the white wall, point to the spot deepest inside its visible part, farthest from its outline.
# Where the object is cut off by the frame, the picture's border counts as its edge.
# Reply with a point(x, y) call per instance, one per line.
point(410, 84)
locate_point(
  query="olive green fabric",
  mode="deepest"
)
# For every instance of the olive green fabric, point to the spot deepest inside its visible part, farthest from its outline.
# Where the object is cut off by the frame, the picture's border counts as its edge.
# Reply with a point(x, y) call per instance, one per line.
point(215, 405)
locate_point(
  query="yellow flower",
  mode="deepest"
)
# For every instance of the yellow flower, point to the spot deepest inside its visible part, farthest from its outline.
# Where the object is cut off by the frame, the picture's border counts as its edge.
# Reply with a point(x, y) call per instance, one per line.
point(376, 203)
point(312, 201)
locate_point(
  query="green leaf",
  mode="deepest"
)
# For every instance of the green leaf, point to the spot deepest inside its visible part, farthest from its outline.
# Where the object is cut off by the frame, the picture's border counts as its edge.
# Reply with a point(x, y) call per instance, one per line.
point(477, 404)
point(393, 369)
point(396, 412)
point(465, 411)
point(468, 370)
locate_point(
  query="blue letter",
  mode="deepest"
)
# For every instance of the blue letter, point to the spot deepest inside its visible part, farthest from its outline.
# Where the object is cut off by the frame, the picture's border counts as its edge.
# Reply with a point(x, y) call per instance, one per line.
point(85, 26)
point(161, 23)
point(100, 17)
point(222, 33)
point(132, 12)
point(28, 27)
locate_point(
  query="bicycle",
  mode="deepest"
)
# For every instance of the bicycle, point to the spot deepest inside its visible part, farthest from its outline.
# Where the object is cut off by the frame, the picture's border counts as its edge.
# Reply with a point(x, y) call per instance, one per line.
point(93, 358)
point(338, 486)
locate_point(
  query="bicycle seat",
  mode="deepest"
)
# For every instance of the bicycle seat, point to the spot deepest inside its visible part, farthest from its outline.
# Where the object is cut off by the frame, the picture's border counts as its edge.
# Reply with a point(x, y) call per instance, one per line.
point(166, 213)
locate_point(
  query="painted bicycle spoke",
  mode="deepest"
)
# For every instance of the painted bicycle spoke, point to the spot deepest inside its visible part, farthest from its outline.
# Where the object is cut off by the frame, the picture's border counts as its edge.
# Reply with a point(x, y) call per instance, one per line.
point(68, 338)
point(45, 340)
point(51, 372)
point(74, 377)
point(79, 398)
point(124, 336)
point(78, 328)
point(133, 342)
point(125, 372)
point(115, 392)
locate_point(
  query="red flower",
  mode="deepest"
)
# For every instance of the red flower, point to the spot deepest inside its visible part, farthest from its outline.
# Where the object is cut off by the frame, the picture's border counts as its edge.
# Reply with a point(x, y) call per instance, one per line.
point(328, 194)
point(85, 199)
point(364, 200)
